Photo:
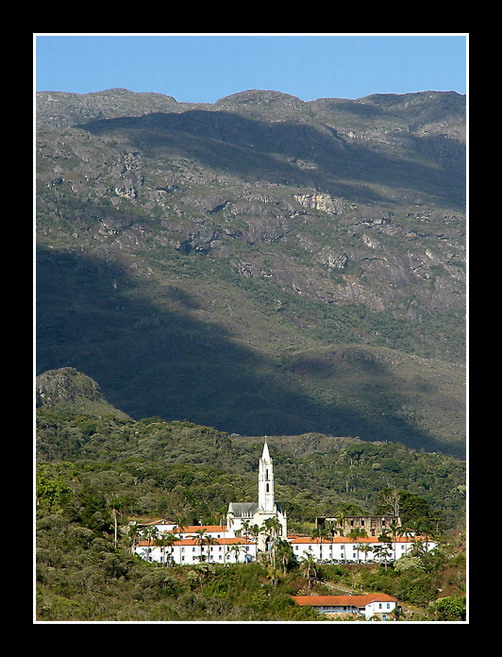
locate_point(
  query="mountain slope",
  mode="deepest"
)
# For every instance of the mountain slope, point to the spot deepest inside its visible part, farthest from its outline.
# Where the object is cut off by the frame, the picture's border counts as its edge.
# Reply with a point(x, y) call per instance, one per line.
point(190, 256)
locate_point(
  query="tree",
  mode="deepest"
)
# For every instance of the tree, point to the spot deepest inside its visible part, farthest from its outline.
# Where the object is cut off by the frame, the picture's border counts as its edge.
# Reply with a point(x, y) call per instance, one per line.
point(52, 489)
point(133, 532)
point(389, 501)
point(272, 527)
point(450, 608)
point(237, 549)
point(116, 505)
point(167, 540)
point(180, 526)
point(202, 539)
point(365, 549)
point(285, 555)
point(340, 521)
point(356, 533)
point(395, 530)
point(309, 567)
point(246, 527)
point(150, 533)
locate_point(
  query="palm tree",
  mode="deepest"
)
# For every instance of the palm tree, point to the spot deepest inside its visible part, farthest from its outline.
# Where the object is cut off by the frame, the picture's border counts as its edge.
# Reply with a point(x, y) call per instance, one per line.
point(285, 555)
point(395, 530)
point(115, 504)
point(133, 533)
point(309, 567)
point(255, 531)
point(180, 526)
point(210, 540)
point(356, 533)
point(319, 532)
point(237, 549)
point(151, 533)
point(246, 527)
point(167, 540)
point(382, 551)
point(340, 522)
point(272, 526)
point(201, 540)
point(365, 549)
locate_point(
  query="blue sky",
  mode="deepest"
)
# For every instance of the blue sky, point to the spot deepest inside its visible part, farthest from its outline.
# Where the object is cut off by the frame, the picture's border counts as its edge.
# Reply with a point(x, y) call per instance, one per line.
point(206, 67)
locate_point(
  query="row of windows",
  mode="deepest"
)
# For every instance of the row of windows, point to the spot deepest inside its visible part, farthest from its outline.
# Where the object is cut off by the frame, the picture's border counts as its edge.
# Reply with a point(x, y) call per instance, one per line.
point(342, 547)
point(197, 549)
point(347, 608)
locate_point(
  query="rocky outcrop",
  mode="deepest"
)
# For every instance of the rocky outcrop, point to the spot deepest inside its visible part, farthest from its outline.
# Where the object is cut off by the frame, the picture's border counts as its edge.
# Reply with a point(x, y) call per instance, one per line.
point(321, 202)
point(67, 388)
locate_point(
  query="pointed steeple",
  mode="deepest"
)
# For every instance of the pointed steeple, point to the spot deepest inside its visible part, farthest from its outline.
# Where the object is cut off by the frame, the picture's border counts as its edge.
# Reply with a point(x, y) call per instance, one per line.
point(266, 499)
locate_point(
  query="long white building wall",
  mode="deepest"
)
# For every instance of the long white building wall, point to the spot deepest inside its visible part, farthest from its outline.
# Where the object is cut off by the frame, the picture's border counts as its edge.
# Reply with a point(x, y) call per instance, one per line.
point(223, 547)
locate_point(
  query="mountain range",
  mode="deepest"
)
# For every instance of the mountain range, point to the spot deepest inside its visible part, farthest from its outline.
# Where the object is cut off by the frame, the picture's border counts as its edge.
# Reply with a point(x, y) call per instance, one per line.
point(261, 265)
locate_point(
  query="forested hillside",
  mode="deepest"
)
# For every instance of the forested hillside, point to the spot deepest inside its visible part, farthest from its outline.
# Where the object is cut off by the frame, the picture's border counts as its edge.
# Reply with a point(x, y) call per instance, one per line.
point(95, 468)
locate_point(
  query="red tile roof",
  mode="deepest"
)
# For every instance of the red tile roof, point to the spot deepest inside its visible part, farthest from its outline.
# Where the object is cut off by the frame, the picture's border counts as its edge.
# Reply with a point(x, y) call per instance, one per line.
point(347, 539)
point(342, 600)
point(191, 529)
point(195, 541)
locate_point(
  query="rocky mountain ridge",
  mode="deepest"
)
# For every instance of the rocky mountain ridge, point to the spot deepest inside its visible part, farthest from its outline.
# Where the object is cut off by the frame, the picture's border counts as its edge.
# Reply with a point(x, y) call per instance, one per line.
point(275, 224)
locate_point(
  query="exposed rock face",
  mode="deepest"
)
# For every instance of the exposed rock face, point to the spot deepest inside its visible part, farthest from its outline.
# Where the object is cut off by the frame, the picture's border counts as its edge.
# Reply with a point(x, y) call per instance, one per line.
point(65, 385)
point(321, 202)
point(332, 219)
point(67, 388)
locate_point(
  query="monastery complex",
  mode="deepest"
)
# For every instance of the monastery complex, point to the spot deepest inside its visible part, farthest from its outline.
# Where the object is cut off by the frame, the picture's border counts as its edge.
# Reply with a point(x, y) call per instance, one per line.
point(253, 529)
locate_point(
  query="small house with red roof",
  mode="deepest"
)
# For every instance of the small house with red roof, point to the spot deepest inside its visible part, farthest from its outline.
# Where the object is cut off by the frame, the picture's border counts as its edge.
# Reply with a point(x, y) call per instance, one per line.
point(373, 606)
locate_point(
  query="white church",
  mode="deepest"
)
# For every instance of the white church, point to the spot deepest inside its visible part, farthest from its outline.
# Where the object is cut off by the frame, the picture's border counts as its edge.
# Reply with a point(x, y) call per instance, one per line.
point(242, 516)
point(250, 529)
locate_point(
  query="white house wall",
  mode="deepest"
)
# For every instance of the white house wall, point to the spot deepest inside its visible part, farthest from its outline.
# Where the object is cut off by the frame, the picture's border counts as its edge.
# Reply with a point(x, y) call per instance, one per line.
point(378, 609)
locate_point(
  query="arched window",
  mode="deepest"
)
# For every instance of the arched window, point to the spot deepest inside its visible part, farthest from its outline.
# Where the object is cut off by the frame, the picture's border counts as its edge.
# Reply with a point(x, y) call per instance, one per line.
point(268, 488)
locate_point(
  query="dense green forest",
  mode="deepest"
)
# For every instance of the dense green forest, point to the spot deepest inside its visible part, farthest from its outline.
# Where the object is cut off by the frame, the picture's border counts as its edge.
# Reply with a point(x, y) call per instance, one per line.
point(94, 470)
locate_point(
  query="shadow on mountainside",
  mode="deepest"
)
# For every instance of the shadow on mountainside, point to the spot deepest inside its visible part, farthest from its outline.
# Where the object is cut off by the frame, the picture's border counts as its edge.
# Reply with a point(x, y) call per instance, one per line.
point(148, 360)
point(249, 148)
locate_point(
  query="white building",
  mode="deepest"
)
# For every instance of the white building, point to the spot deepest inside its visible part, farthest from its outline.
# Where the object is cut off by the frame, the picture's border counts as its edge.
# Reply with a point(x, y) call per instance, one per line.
point(186, 551)
point(372, 606)
point(262, 521)
point(342, 549)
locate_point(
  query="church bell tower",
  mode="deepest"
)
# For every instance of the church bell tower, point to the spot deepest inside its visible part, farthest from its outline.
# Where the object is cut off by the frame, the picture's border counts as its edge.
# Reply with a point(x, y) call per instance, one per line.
point(266, 500)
